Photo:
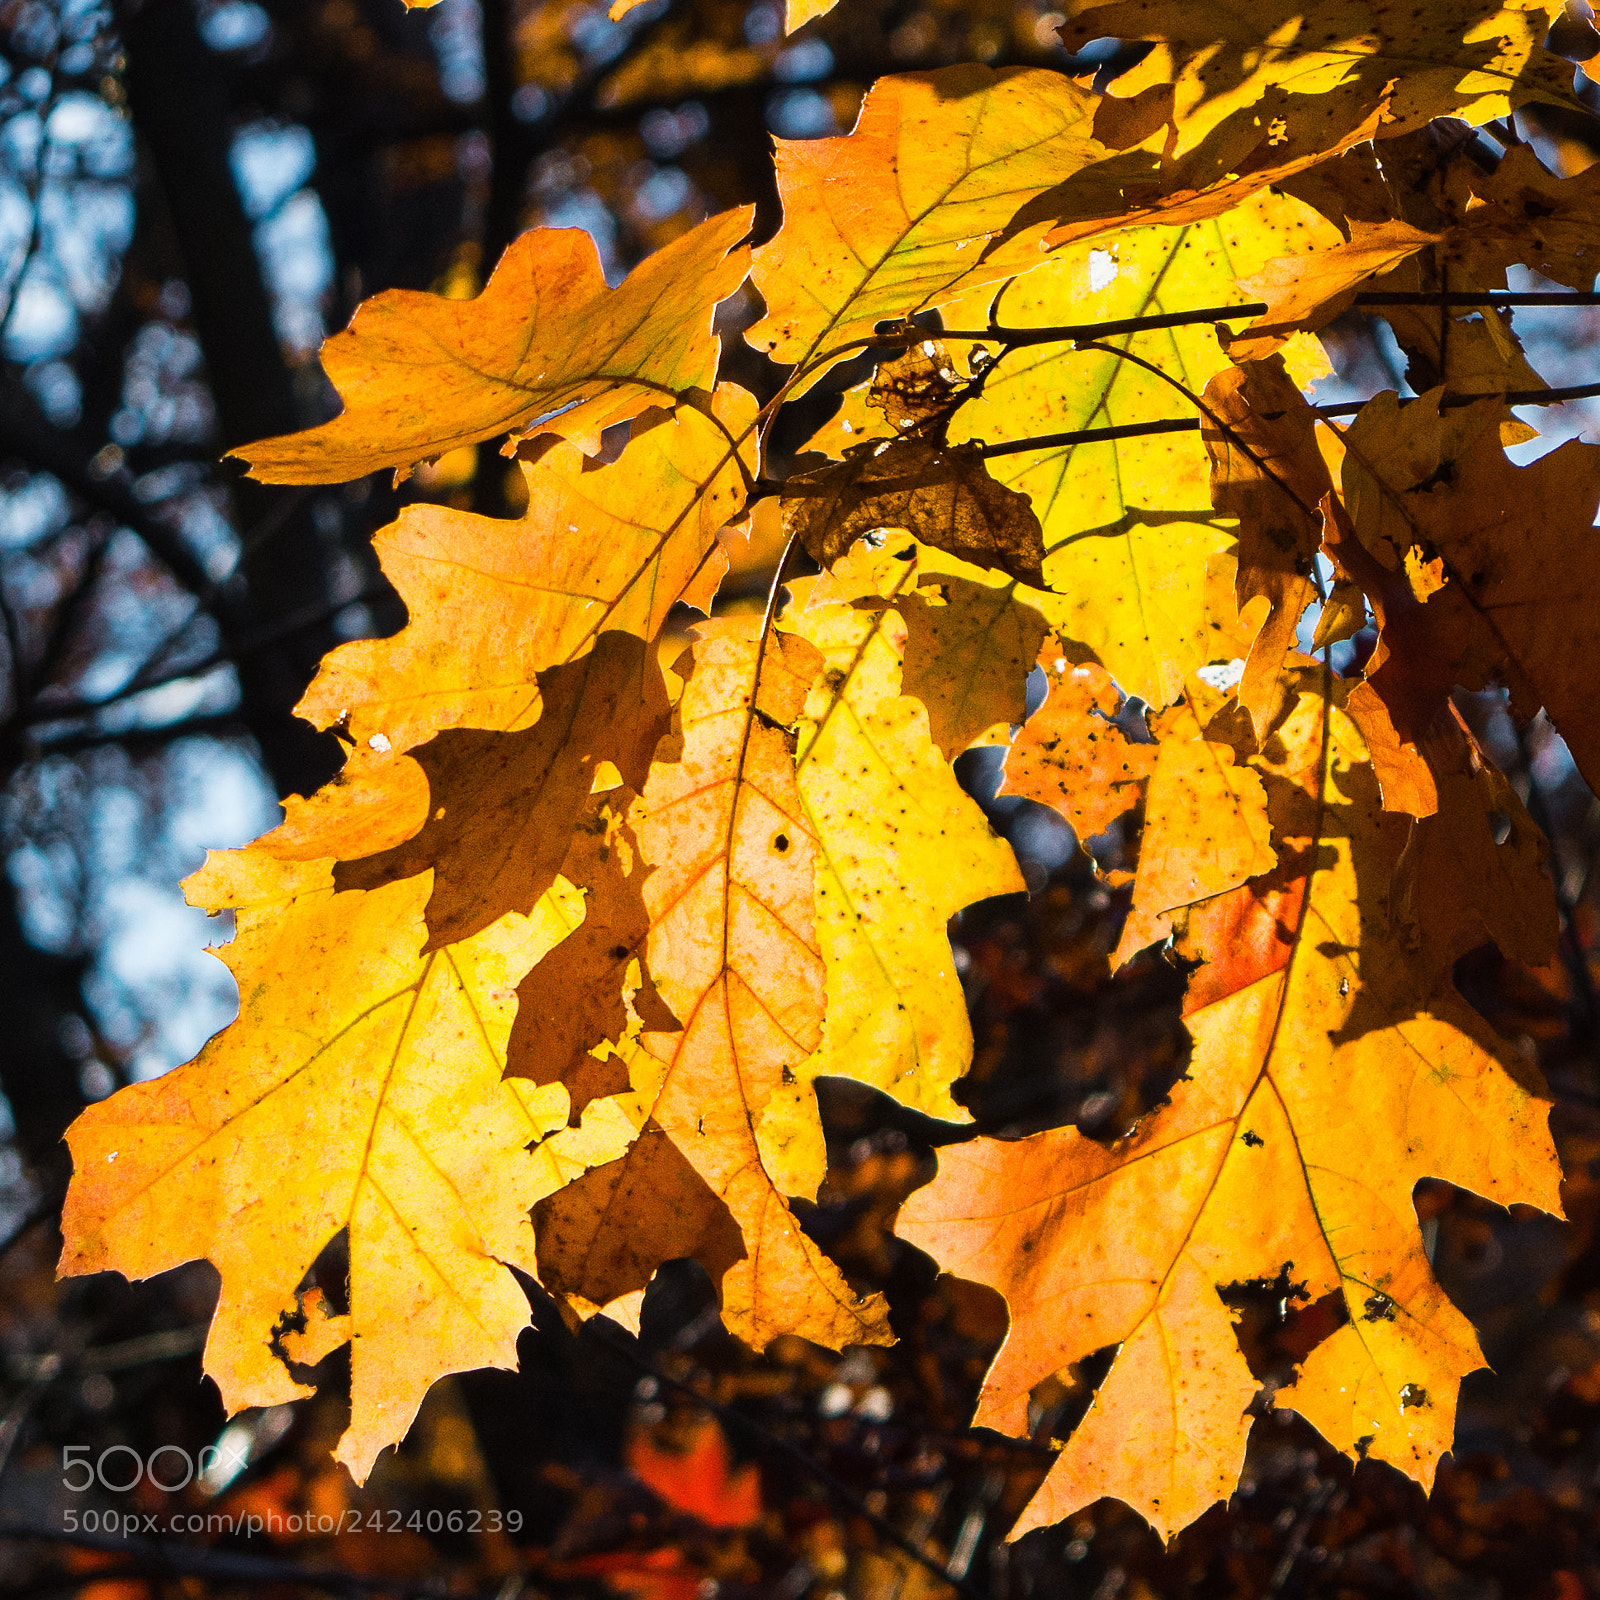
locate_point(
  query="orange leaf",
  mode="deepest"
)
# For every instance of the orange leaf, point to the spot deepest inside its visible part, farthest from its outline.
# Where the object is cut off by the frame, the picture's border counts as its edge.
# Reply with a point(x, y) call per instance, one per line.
point(700, 1479)
point(1325, 1081)
point(420, 374)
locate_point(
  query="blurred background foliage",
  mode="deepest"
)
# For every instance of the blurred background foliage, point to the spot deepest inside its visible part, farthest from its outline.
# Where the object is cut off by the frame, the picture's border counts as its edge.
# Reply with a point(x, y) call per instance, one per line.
point(192, 194)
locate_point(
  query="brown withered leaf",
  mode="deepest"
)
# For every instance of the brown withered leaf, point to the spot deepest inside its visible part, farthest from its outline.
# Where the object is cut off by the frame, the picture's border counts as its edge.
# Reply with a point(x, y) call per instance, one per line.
point(916, 387)
point(503, 805)
point(1266, 471)
point(603, 1235)
point(941, 495)
point(1071, 755)
point(1475, 869)
point(1521, 592)
point(574, 998)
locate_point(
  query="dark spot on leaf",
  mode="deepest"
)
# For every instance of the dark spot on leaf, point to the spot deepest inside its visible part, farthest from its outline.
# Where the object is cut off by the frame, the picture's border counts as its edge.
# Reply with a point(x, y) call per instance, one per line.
point(1411, 1396)
point(1379, 1308)
point(1253, 1139)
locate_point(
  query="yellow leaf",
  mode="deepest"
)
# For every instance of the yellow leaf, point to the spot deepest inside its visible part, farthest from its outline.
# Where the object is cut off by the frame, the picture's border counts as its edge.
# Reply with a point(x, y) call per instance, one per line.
point(494, 603)
point(900, 849)
point(359, 1090)
point(1205, 829)
point(420, 374)
point(1071, 755)
point(734, 954)
point(894, 217)
point(1325, 1081)
point(1128, 526)
point(1334, 64)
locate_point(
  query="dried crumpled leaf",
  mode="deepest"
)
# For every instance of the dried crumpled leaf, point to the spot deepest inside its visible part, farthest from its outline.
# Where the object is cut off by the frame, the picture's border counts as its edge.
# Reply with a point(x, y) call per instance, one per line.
point(1266, 470)
point(1520, 596)
point(420, 374)
point(942, 495)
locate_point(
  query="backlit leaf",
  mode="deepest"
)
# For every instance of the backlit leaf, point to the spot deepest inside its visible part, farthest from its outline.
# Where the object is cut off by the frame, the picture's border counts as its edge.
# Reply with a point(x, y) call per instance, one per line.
point(1325, 1082)
point(420, 374)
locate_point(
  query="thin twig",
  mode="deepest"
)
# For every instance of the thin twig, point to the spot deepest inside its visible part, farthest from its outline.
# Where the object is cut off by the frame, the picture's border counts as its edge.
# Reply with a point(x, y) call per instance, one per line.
point(1345, 408)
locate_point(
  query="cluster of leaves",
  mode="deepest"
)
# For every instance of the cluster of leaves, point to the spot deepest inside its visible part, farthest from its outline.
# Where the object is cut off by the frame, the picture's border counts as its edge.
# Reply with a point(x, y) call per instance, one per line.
point(544, 978)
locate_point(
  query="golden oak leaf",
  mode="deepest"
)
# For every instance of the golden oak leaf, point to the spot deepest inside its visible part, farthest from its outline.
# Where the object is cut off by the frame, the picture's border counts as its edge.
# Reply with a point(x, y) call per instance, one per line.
point(573, 1000)
point(734, 954)
point(1129, 529)
point(504, 805)
point(1324, 1083)
point(1205, 827)
point(894, 217)
point(602, 1236)
point(1071, 755)
point(942, 495)
point(380, 1066)
point(1521, 596)
point(1266, 470)
point(1304, 293)
point(493, 603)
point(420, 374)
point(900, 848)
point(969, 649)
point(1335, 63)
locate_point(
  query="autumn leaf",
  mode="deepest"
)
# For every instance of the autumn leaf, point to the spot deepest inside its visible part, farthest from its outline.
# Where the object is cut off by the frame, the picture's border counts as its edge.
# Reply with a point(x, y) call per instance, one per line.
point(602, 1236)
point(968, 652)
point(1129, 529)
point(504, 805)
point(942, 496)
point(900, 848)
point(382, 1063)
point(1474, 870)
point(576, 999)
point(1267, 471)
point(1205, 826)
point(1337, 64)
point(734, 954)
point(700, 1479)
point(420, 374)
point(1071, 755)
point(1519, 597)
point(494, 603)
point(893, 218)
point(1325, 1081)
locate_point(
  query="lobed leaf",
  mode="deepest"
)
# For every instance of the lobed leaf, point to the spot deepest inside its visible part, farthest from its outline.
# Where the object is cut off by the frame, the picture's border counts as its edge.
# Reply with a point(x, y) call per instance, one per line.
point(1326, 1080)
point(546, 342)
